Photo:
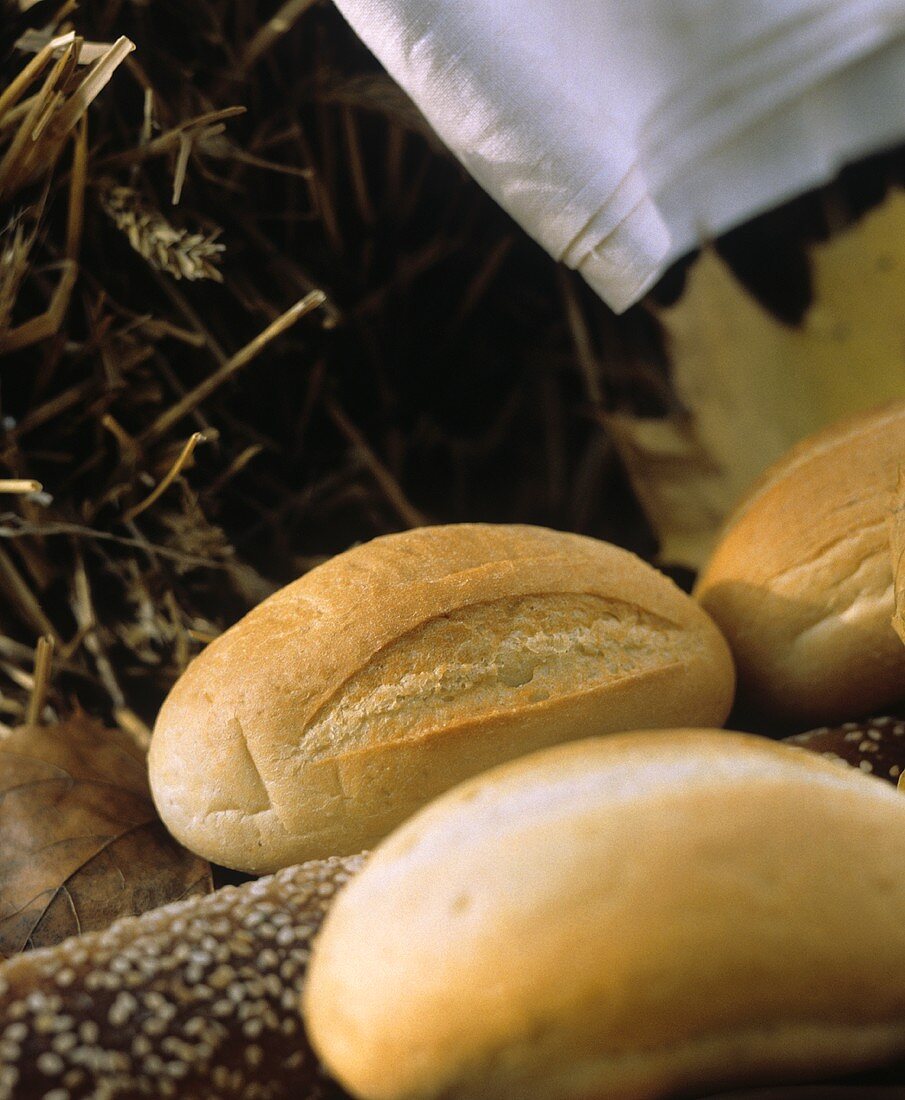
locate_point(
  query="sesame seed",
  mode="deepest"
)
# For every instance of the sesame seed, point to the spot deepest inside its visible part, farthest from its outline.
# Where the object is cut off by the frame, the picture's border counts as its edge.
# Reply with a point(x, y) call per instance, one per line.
point(866, 766)
point(194, 972)
point(122, 1008)
point(50, 1064)
point(272, 985)
point(252, 1028)
point(221, 977)
point(267, 959)
point(89, 1032)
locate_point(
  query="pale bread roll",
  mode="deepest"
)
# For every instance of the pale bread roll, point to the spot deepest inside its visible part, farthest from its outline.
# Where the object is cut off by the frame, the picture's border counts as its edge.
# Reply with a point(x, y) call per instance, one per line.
point(801, 580)
point(635, 916)
point(390, 673)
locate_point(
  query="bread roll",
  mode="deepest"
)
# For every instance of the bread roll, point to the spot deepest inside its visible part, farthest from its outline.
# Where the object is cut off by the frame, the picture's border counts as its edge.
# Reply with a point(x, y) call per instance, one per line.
point(385, 676)
point(197, 1000)
point(876, 745)
point(632, 916)
point(801, 580)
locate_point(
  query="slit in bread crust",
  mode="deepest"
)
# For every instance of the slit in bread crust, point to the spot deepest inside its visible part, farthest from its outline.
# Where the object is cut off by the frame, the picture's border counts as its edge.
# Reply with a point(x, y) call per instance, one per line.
point(489, 657)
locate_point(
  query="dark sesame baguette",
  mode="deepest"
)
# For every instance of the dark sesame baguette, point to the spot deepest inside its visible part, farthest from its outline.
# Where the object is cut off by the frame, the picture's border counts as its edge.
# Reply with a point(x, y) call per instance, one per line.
point(198, 1000)
point(875, 745)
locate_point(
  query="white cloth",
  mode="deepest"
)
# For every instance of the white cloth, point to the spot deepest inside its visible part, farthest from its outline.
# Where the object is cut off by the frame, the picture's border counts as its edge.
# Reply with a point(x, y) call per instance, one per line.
point(619, 133)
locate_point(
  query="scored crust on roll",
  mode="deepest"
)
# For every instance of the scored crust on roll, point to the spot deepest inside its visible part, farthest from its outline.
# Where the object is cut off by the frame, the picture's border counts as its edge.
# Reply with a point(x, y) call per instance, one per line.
point(801, 581)
point(635, 916)
point(391, 672)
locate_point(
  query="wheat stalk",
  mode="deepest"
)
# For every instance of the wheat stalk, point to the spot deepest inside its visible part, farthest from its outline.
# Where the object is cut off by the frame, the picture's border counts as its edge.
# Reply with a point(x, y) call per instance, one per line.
point(179, 252)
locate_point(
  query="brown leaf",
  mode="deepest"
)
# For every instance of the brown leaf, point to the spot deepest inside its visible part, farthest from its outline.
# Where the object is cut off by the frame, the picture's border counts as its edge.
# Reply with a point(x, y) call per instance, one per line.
point(80, 841)
point(751, 387)
point(898, 556)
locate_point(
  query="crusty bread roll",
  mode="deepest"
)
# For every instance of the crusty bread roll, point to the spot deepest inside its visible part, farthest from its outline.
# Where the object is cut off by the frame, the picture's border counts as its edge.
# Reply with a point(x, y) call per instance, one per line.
point(801, 579)
point(385, 676)
point(632, 916)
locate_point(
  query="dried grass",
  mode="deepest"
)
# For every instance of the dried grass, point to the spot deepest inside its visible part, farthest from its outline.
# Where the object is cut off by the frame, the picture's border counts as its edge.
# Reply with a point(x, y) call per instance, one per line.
point(241, 232)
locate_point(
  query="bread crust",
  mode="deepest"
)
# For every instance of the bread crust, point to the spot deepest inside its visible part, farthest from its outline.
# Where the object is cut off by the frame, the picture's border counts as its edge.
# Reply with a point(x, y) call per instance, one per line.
point(633, 916)
point(316, 724)
point(801, 579)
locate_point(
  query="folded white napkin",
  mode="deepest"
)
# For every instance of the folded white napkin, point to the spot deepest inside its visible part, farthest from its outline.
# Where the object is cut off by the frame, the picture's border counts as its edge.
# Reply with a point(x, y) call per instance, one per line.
point(619, 133)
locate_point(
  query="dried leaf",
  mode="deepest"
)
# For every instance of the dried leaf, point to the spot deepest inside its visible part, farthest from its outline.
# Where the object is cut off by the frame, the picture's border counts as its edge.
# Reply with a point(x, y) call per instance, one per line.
point(80, 841)
point(753, 386)
point(898, 556)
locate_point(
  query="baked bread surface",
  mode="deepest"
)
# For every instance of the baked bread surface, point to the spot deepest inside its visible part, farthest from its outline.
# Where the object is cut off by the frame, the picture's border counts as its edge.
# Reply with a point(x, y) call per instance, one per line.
point(624, 917)
point(801, 580)
point(391, 672)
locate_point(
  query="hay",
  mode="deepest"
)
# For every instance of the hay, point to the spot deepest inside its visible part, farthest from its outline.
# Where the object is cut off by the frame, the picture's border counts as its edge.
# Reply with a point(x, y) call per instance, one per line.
point(242, 233)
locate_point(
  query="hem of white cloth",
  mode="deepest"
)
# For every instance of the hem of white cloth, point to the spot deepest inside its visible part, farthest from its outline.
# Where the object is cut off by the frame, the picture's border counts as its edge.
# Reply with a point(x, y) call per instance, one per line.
point(627, 262)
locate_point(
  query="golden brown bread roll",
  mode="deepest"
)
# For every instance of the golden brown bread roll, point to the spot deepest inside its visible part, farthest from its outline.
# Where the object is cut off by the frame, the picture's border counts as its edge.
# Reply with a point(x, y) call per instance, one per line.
point(639, 915)
point(195, 1000)
point(801, 579)
point(385, 676)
